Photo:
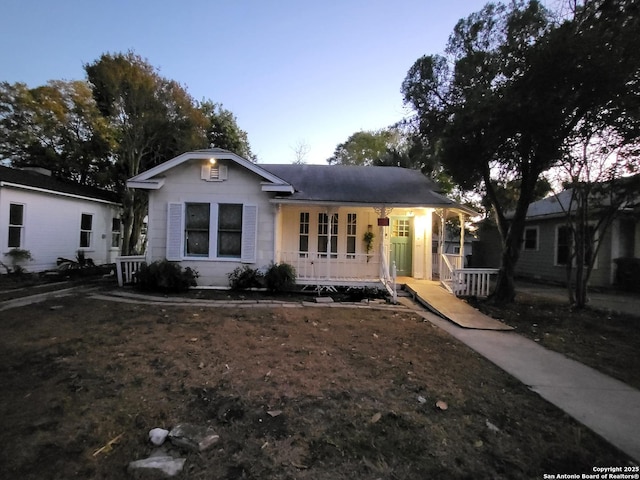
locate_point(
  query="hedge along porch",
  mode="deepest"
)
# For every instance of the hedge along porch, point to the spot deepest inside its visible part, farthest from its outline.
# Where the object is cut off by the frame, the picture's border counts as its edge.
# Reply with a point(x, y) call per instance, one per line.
point(214, 211)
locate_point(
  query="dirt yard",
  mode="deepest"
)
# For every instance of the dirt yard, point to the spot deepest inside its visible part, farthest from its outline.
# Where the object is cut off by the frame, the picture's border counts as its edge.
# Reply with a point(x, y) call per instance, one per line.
point(351, 394)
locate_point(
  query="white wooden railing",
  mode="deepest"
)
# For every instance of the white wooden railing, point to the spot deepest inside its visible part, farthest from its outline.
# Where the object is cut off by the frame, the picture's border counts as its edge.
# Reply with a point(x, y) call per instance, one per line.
point(465, 282)
point(126, 267)
point(473, 282)
point(341, 266)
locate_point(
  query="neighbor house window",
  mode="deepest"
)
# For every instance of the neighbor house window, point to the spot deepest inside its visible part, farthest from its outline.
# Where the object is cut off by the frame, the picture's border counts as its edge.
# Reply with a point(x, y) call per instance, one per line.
point(16, 225)
point(116, 232)
point(530, 238)
point(229, 230)
point(327, 224)
point(303, 244)
point(351, 234)
point(86, 230)
point(563, 245)
point(196, 229)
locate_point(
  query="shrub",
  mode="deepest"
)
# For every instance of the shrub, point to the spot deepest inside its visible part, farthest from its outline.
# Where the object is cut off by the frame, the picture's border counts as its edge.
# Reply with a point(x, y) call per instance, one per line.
point(280, 277)
point(245, 277)
point(166, 277)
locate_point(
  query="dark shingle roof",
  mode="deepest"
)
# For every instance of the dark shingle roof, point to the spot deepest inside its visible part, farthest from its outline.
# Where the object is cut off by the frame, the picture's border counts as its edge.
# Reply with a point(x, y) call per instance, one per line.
point(355, 184)
point(45, 182)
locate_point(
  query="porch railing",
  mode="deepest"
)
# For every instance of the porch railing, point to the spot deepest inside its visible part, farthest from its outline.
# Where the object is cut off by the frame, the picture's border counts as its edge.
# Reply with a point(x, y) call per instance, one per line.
point(465, 282)
point(126, 267)
point(337, 266)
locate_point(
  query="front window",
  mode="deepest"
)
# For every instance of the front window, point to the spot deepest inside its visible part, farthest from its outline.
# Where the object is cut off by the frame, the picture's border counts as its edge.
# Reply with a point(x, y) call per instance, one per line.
point(230, 230)
point(116, 234)
point(351, 234)
point(86, 230)
point(563, 245)
point(197, 217)
point(16, 225)
point(303, 245)
point(327, 224)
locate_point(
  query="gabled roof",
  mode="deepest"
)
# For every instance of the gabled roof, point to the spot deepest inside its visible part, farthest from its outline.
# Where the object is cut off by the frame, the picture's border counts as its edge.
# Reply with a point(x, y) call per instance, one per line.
point(366, 185)
point(559, 205)
point(324, 184)
point(153, 178)
point(35, 181)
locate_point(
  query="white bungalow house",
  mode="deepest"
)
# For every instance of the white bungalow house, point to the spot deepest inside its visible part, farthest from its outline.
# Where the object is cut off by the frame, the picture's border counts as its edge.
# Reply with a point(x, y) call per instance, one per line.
point(214, 211)
point(52, 218)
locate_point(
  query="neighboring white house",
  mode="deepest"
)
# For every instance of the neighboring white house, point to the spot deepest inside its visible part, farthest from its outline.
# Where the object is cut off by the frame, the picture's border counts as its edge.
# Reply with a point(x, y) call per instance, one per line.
point(214, 211)
point(52, 218)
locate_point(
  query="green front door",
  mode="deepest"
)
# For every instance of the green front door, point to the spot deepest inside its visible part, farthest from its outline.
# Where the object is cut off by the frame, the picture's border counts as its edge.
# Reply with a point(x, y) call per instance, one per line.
point(401, 245)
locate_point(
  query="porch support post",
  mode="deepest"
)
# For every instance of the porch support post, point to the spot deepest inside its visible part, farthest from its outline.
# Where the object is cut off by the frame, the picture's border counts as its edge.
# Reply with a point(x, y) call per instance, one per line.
point(462, 256)
point(441, 238)
point(277, 233)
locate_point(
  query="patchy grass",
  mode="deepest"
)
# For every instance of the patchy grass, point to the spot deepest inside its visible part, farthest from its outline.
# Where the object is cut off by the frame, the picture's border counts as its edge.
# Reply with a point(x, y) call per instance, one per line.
point(356, 387)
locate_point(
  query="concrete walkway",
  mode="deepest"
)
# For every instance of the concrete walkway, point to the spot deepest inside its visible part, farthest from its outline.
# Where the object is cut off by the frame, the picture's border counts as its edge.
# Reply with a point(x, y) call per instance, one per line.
point(605, 405)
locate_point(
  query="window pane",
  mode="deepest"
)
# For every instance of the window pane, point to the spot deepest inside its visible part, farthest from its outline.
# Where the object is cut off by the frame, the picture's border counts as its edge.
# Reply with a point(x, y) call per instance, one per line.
point(304, 243)
point(351, 244)
point(229, 244)
point(197, 216)
point(85, 239)
point(230, 217)
point(198, 242)
point(531, 239)
point(14, 237)
point(86, 221)
point(229, 230)
point(563, 246)
point(16, 214)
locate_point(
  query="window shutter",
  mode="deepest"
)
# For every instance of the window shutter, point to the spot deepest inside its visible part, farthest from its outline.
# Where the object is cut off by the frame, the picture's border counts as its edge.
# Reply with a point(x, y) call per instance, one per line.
point(174, 231)
point(223, 172)
point(205, 172)
point(249, 233)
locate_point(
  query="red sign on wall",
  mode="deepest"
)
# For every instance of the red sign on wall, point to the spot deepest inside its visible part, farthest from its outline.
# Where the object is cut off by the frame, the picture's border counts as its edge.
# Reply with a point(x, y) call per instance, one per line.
point(383, 222)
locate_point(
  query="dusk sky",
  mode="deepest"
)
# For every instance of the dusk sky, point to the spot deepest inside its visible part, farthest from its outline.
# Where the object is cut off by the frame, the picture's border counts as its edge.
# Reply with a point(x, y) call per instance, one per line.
point(292, 72)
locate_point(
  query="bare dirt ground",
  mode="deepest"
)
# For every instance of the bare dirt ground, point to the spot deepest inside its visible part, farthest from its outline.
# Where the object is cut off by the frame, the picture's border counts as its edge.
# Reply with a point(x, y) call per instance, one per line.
point(356, 391)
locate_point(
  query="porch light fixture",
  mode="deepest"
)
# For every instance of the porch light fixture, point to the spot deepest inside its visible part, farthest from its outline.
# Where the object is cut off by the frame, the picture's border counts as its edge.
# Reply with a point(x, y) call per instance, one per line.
point(212, 161)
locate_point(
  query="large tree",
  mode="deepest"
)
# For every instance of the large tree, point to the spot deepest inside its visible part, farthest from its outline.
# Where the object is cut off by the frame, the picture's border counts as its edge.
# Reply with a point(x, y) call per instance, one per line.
point(56, 126)
point(513, 86)
point(154, 119)
point(223, 130)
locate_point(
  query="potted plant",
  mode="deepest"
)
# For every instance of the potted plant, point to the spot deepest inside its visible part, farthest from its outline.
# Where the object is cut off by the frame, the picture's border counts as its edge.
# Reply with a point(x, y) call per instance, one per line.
point(17, 255)
point(368, 241)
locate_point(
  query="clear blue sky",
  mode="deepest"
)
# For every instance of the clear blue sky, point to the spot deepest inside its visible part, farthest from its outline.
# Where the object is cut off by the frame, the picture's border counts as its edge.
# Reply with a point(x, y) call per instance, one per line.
point(291, 71)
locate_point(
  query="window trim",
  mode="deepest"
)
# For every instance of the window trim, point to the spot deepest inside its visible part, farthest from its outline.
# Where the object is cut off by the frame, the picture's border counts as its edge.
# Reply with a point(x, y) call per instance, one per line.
point(535, 228)
point(20, 227)
point(90, 243)
point(175, 249)
point(596, 240)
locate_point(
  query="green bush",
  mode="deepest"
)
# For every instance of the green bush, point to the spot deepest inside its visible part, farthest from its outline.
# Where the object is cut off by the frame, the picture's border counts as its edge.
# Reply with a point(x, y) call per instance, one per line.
point(166, 277)
point(245, 277)
point(280, 277)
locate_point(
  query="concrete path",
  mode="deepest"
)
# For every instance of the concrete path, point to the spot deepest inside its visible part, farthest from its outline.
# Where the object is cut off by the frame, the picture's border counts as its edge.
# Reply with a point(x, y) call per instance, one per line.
point(605, 405)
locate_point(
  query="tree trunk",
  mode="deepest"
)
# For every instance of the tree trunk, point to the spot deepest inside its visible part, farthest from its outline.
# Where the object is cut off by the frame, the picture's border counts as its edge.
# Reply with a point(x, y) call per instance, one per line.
point(505, 291)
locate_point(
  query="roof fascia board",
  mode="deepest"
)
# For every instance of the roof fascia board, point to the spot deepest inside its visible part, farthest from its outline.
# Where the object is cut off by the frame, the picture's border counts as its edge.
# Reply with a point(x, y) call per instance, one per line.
point(204, 155)
point(285, 201)
point(56, 192)
point(155, 184)
point(270, 187)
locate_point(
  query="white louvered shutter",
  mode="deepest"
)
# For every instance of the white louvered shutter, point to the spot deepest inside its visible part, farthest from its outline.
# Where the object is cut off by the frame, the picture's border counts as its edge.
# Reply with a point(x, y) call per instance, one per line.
point(174, 231)
point(249, 233)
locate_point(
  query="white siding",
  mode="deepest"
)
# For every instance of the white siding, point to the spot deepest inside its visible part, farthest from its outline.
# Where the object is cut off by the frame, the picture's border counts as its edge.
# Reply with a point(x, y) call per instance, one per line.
point(184, 184)
point(52, 227)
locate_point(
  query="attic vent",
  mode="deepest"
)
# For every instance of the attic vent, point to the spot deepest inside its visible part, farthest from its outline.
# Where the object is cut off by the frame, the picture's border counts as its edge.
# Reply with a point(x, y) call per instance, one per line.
point(214, 173)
